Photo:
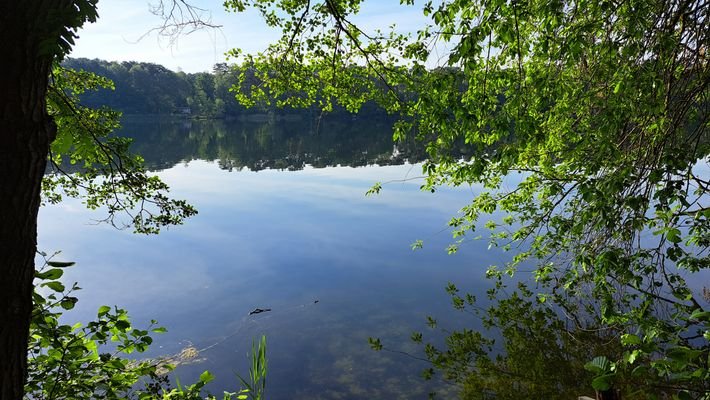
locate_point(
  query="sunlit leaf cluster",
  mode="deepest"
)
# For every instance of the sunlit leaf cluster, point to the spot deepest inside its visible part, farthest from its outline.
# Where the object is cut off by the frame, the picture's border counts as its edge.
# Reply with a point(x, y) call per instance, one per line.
point(80, 361)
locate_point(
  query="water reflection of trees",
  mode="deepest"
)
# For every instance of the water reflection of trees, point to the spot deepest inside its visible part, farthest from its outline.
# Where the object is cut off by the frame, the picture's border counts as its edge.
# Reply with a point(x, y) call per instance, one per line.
point(534, 346)
point(285, 144)
point(527, 349)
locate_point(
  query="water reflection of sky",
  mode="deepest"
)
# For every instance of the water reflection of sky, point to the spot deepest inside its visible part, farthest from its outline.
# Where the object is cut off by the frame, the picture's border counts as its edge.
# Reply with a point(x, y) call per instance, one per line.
point(283, 240)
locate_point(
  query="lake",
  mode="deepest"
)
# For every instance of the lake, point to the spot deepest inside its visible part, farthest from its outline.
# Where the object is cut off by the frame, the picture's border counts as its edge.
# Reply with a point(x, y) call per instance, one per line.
point(283, 224)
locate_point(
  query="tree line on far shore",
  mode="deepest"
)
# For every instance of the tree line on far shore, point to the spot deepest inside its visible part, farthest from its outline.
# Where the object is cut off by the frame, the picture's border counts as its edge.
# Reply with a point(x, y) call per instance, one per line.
point(146, 88)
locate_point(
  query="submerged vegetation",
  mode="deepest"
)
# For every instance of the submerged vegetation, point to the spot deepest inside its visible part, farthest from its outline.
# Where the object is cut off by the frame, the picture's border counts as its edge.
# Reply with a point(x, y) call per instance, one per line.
point(93, 360)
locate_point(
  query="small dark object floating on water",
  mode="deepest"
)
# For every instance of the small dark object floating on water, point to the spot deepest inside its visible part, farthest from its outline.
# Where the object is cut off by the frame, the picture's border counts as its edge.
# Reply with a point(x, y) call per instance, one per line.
point(316, 302)
point(259, 311)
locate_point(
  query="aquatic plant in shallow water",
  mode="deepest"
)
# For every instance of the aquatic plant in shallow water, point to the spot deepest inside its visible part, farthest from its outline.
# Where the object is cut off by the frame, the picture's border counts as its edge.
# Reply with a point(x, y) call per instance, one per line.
point(87, 361)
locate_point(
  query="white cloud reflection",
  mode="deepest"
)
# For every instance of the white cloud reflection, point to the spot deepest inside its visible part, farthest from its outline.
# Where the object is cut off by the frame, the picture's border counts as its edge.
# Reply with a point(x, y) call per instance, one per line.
point(253, 228)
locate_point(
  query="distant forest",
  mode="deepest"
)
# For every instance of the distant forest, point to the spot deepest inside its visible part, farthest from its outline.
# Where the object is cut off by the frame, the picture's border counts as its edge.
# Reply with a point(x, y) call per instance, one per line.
point(145, 88)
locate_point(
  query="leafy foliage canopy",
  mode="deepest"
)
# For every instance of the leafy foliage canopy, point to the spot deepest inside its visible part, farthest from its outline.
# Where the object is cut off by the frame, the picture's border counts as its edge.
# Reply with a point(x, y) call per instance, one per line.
point(600, 107)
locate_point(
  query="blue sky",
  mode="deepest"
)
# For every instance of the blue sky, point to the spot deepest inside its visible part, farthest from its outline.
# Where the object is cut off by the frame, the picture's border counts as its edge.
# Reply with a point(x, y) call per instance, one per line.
point(115, 36)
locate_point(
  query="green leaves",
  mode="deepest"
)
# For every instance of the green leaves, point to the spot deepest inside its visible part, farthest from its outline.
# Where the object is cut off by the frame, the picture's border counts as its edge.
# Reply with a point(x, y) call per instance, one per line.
point(89, 360)
point(206, 377)
point(255, 387)
point(375, 189)
point(60, 24)
point(51, 274)
point(56, 286)
point(67, 361)
point(599, 365)
point(700, 315)
point(604, 371)
point(103, 310)
point(375, 343)
point(586, 123)
point(60, 264)
point(603, 382)
point(88, 161)
point(628, 339)
point(68, 303)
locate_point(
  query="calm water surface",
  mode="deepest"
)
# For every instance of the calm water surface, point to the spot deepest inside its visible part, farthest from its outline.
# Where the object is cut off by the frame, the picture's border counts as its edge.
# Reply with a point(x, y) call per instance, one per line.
point(334, 266)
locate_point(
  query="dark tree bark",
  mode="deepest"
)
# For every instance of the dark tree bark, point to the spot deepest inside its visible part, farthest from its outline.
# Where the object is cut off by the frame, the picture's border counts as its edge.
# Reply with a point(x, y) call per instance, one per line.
point(610, 394)
point(26, 131)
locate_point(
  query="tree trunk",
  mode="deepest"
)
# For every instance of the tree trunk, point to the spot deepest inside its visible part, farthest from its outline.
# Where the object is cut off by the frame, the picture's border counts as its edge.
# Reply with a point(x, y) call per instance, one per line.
point(25, 134)
point(610, 394)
